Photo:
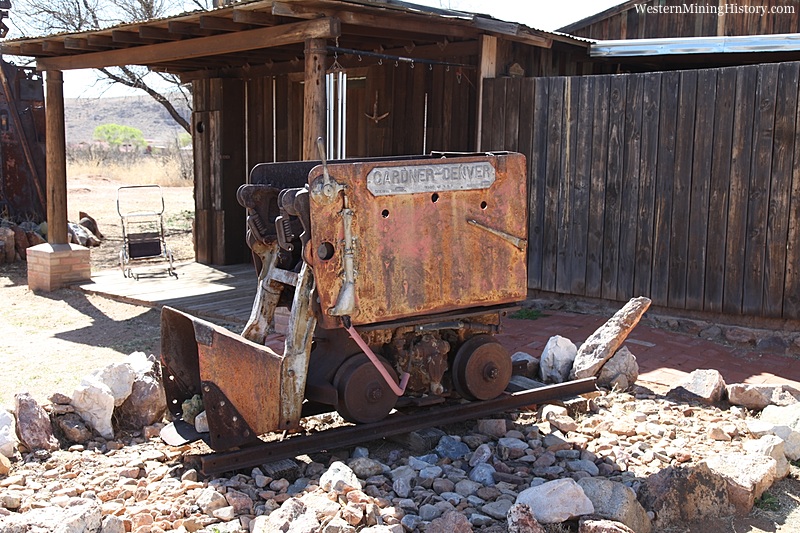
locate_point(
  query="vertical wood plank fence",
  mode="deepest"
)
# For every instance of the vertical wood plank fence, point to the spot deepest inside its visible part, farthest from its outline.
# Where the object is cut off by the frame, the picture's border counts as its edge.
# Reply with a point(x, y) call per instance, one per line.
point(681, 186)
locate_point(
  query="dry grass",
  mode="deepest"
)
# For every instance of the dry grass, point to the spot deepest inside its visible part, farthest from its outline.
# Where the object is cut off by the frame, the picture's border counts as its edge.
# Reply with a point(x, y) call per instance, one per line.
point(166, 170)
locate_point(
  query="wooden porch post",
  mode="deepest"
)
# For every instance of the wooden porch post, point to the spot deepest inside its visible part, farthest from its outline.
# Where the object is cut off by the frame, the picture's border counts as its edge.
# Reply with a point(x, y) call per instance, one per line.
point(487, 68)
point(314, 97)
point(56, 154)
point(56, 263)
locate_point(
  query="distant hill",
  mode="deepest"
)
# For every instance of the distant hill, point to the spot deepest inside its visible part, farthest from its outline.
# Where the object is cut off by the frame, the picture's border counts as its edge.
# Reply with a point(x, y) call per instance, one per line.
point(83, 115)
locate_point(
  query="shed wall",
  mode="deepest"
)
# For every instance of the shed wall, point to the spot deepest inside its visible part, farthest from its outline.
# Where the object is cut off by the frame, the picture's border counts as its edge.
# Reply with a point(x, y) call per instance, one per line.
point(629, 22)
point(681, 186)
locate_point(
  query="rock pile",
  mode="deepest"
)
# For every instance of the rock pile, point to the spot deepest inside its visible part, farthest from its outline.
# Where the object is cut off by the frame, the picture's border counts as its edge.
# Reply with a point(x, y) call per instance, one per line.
point(619, 460)
point(16, 239)
point(641, 463)
point(129, 395)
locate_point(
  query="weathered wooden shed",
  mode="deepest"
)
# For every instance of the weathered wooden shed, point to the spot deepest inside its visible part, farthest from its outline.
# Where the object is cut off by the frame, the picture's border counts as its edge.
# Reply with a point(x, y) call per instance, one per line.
point(663, 165)
point(269, 77)
point(678, 178)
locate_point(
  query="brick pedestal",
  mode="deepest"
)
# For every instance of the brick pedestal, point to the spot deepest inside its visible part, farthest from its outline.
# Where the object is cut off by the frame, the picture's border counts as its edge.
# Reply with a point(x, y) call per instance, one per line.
point(53, 266)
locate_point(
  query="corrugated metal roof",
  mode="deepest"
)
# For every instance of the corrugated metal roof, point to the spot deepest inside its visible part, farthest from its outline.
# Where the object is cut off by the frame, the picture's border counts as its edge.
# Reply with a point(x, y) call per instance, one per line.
point(696, 45)
point(482, 21)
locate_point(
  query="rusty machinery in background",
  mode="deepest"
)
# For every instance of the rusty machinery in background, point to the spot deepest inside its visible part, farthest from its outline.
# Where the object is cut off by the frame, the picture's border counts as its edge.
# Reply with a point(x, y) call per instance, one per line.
point(395, 272)
point(22, 144)
point(22, 139)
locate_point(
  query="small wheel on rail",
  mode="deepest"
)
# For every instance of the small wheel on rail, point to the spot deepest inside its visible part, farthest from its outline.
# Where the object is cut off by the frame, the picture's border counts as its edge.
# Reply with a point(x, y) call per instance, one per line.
point(481, 368)
point(364, 395)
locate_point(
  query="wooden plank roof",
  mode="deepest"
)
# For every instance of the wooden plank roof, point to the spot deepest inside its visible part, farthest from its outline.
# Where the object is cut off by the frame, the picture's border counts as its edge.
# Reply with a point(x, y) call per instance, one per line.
point(269, 35)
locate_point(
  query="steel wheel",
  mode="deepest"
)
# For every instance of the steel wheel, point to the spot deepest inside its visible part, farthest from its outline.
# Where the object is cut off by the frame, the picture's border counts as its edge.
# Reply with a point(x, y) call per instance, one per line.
point(364, 396)
point(481, 369)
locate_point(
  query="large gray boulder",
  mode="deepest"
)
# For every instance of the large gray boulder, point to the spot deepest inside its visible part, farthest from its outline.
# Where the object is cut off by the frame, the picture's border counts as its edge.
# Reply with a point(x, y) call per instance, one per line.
point(557, 359)
point(747, 477)
point(770, 446)
point(757, 397)
point(94, 402)
point(620, 372)
point(608, 338)
point(704, 386)
point(617, 502)
point(556, 501)
point(146, 404)
point(83, 517)
point(681, 494)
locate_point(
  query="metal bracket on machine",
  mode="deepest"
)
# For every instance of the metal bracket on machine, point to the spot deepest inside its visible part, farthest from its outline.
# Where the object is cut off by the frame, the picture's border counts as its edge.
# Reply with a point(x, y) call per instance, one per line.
point(398, 390)
point(346, 301)
point(230, 428)
point(324, 190)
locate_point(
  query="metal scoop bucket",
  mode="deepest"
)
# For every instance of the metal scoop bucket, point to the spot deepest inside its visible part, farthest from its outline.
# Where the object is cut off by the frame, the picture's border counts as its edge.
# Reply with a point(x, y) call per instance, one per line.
point(238, 380)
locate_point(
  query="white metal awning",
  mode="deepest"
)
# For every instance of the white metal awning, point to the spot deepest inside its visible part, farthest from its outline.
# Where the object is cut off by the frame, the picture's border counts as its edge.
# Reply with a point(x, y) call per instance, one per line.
point(785, 42)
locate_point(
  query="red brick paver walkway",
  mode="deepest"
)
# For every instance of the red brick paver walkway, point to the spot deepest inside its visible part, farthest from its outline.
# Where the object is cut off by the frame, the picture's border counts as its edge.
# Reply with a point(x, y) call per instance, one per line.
point(665, 358)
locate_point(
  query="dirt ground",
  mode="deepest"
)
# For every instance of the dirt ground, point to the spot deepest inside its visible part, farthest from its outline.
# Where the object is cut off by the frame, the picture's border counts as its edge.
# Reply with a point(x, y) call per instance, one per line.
point(97, 196)
point(51, 340)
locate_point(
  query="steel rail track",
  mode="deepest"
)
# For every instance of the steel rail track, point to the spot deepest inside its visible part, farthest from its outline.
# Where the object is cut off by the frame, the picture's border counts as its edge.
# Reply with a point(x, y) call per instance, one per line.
point(395, 424)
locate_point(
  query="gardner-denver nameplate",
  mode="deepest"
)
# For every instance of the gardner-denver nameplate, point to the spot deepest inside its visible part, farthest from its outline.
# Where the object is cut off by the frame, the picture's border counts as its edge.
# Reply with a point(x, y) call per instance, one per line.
point(410, 179)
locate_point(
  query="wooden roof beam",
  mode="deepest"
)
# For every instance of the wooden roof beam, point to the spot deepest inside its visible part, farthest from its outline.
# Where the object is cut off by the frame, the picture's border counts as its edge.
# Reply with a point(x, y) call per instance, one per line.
point(411, 23)
point(54, 47)
point(256, 18)
point(159, 34)
point(209, 22)
point(188, 28)
point(252, 71)
point(127, 37)
point(31, 49)
point(434, 51)
point(215, 45)
point(512, 31)
point(102, 41)
point(385, 35)
point(78, 43)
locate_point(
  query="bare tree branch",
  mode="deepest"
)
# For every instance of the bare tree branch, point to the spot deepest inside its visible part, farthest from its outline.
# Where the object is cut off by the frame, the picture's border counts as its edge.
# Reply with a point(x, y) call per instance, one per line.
point(35, 17)
point(131, 79)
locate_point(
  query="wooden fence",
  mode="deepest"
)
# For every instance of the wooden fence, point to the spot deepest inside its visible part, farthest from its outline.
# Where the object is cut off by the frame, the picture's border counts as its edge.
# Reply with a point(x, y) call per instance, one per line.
point(681, 186)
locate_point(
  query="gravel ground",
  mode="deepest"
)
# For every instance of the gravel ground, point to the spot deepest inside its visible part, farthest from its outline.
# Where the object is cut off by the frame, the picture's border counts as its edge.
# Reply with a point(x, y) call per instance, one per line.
point(51, 340)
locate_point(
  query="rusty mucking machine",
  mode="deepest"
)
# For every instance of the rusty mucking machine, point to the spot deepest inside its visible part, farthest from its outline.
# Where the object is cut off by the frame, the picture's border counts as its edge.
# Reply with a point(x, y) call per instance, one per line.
point(395, 273)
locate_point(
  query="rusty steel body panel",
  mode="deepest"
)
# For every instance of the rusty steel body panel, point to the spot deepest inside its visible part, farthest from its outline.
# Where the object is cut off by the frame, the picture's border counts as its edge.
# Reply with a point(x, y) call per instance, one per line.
point(427, 247)
point(240, 381)
point(22, 130)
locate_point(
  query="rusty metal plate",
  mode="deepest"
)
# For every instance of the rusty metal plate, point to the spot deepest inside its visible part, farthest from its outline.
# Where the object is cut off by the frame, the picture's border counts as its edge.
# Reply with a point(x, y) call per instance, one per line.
point(423, 252)
point(452, 175)
point(246, 373)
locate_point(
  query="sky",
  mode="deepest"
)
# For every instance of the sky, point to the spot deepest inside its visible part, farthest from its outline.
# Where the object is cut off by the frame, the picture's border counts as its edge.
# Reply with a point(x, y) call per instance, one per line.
point(545, 15)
